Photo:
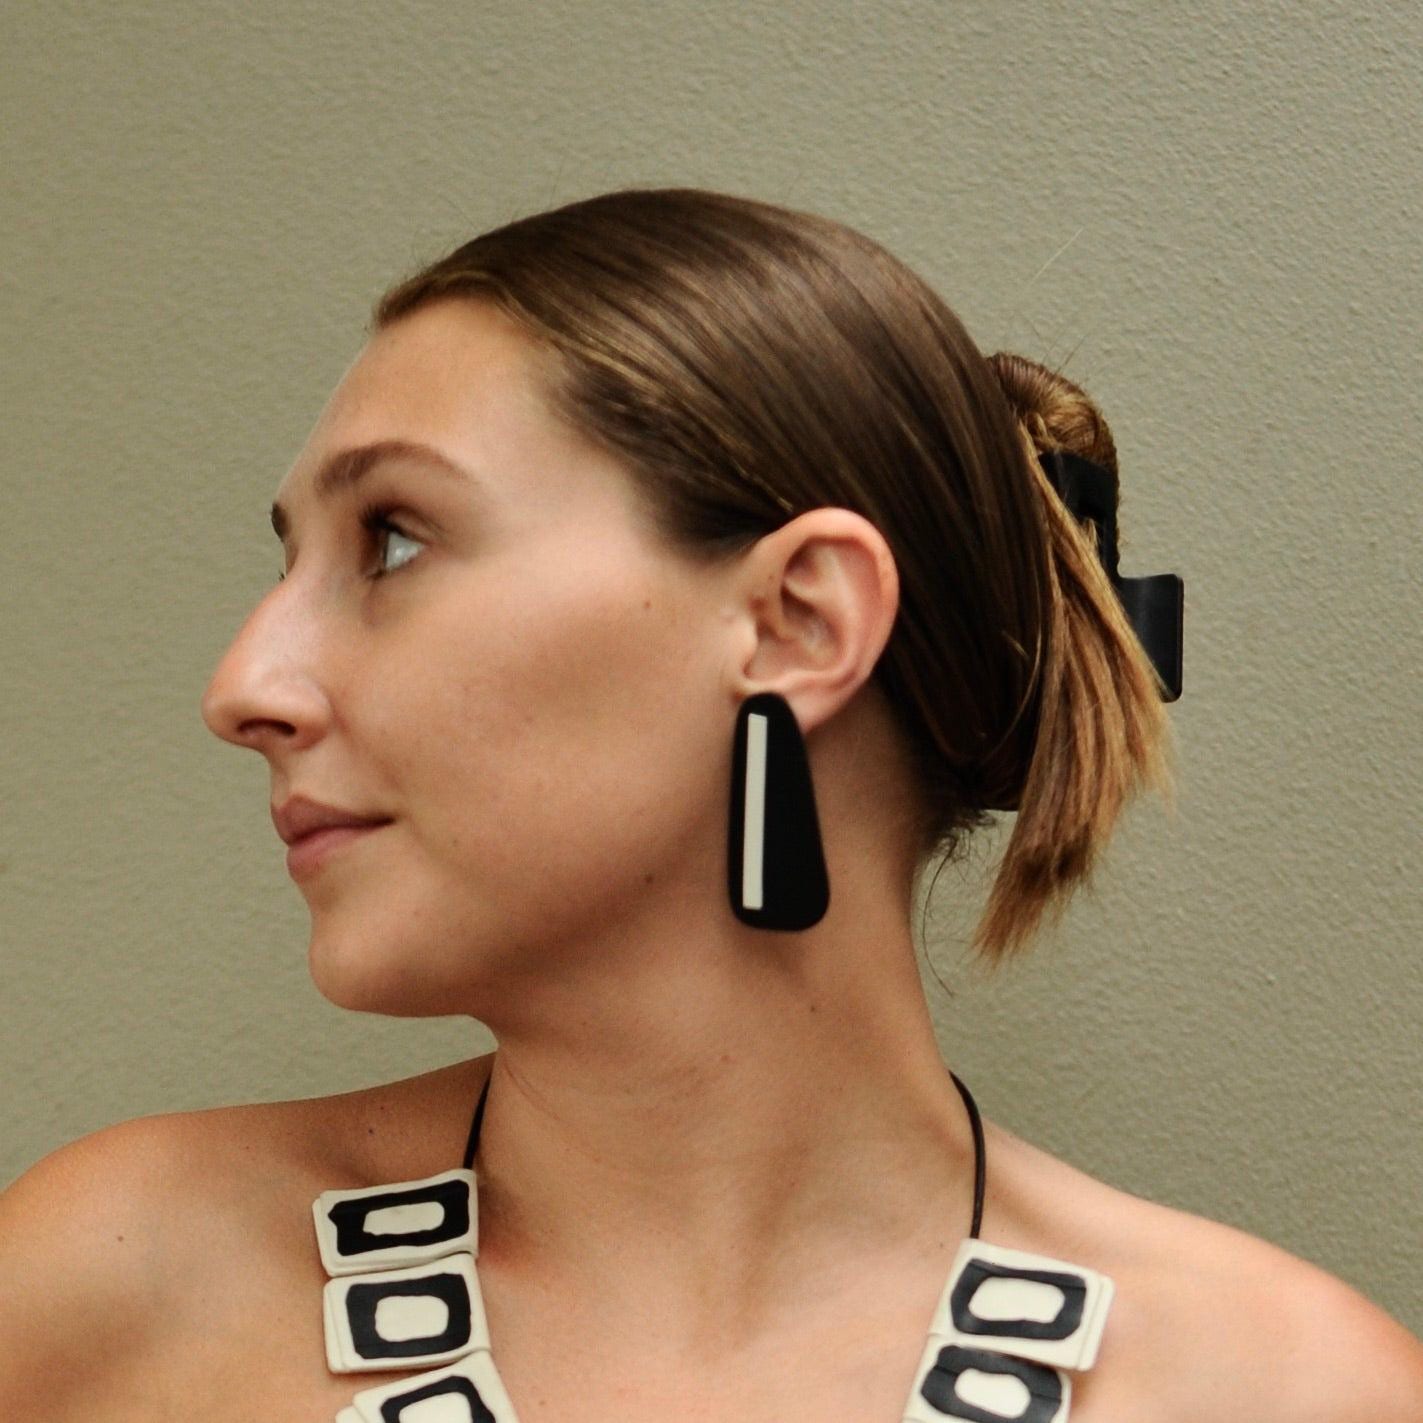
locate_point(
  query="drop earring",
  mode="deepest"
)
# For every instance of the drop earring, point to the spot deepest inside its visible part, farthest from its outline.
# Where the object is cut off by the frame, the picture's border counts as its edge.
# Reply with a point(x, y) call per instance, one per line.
point(775, 864)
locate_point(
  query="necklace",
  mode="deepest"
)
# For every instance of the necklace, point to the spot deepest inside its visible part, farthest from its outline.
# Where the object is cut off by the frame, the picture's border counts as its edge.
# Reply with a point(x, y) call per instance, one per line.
point(1009, 1327)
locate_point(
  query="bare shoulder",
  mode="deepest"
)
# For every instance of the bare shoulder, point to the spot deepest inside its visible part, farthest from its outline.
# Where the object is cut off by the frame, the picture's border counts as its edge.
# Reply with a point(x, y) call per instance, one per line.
point(110, 1245)
point(1249, 1330)
point(1328, 1353)
point(1209, 1322)
point(83, 1259)
point(107, 1216)
point(90, 1203)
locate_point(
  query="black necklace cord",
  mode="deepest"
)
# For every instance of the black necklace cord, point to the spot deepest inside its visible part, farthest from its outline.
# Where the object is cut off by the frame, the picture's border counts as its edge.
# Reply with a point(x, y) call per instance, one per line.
point(975, 1122)
point(472, 1145)
point(979, 1154)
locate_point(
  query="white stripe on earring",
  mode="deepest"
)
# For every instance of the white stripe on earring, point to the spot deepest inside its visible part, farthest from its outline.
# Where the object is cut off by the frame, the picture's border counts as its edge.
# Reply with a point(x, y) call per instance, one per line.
point(753, 820)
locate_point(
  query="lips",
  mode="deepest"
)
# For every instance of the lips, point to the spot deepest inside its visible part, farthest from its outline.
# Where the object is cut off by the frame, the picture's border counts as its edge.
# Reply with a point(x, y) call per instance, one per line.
point(301, 816)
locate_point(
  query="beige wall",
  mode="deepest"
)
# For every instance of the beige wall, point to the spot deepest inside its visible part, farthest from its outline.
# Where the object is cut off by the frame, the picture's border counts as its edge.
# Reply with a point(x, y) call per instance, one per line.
point(1211, 209)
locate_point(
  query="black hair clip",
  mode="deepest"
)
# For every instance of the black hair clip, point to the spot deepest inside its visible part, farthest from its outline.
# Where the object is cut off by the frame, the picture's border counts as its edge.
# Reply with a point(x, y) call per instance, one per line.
point(1154, 604)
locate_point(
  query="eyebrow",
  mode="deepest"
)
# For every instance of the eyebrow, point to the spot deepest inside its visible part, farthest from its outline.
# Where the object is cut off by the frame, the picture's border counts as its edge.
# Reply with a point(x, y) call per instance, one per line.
point(346, 468)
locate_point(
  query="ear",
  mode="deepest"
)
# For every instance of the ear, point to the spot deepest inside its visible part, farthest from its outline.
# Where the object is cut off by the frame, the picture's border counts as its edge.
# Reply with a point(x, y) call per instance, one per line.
point(819, 597)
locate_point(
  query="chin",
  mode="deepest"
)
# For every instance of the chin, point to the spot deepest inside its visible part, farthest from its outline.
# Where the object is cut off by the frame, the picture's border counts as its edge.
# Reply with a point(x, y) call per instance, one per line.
point(346, 975)
point(354, 977)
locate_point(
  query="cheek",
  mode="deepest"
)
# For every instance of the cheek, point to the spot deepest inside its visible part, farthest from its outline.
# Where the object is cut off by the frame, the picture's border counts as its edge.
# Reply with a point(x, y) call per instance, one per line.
point(573, 733)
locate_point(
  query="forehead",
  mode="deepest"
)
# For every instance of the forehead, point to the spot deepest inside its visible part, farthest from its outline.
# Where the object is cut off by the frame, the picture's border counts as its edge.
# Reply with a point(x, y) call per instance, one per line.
point(440, 360)
point(459, 375)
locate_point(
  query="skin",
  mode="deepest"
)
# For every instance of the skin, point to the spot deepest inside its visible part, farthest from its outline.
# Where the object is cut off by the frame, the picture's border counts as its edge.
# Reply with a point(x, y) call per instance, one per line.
point(708, 1149)
point(543, 698)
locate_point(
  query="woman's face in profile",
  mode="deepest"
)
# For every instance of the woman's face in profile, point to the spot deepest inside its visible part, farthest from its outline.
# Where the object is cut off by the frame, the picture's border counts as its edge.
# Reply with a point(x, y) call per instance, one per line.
point(519, 678)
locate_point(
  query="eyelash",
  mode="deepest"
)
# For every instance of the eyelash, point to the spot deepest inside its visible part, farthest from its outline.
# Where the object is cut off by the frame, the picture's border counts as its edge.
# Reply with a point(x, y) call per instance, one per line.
point(375, 519)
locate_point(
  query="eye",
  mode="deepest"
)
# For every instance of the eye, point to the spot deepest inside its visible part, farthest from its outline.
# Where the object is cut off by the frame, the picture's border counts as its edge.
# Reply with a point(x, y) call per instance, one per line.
point(375, 519)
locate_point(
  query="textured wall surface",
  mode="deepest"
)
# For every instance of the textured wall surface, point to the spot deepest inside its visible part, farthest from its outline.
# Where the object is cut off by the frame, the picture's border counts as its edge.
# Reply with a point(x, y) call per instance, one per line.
point(1210, 212)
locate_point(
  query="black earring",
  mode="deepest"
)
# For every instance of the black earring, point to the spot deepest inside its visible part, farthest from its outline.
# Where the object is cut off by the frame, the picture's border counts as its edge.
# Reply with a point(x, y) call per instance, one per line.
point(775, 863)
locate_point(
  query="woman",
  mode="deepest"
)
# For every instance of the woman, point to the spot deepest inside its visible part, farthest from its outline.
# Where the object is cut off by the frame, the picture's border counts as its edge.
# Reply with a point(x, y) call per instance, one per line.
point(599, 479)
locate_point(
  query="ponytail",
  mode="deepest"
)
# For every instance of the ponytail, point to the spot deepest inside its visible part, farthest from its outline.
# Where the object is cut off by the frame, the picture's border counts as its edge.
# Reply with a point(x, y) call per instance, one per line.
point(1103, 732)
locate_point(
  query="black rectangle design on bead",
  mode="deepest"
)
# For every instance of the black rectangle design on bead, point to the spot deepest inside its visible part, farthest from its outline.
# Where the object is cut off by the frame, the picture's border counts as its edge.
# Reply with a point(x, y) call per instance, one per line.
point(349, 1218)
point(363, 1298)
point(940, 1386)
point(1062, 1326)
point(393, 1409)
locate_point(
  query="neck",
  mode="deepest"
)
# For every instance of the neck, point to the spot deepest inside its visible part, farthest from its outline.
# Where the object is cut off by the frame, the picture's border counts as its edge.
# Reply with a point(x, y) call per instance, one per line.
point(726, 1132)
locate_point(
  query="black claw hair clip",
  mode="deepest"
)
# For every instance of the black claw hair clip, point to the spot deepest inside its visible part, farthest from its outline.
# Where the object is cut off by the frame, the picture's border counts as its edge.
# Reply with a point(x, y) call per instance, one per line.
point(1154, 605)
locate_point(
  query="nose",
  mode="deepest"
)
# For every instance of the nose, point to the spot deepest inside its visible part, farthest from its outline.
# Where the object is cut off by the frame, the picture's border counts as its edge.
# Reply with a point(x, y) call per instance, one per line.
point(262, 694)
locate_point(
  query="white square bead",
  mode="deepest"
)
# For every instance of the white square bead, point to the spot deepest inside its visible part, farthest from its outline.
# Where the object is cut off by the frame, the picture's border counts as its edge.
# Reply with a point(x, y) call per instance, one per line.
point(984, 1384)
point(469, 1391)
point(1031, 1306)
point(348, 1415)
point(404, 1319)
point(332, 1335)
point(404, 1223)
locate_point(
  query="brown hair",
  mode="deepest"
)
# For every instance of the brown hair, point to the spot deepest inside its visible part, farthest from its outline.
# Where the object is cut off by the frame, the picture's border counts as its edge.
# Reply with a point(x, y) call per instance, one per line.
point(748, 362)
